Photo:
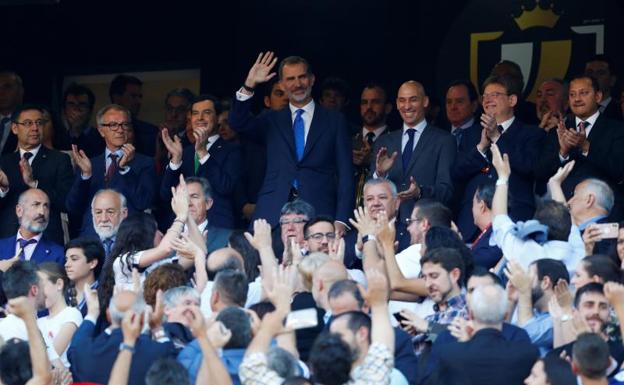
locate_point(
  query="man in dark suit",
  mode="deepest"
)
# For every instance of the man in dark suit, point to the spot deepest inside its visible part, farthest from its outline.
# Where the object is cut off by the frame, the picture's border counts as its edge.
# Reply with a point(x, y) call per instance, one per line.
point(483, 254)
point(473, 165)
point(593, 141)
point(210, 157)
point(374, 108)
point(119, 168)
point(108, 209)
point(601, 68)
point(126, 91)
point(33, 166)
point(417, 158)
point(11, 96)
point(308, 148)
point(488, 357)
point(33, 213)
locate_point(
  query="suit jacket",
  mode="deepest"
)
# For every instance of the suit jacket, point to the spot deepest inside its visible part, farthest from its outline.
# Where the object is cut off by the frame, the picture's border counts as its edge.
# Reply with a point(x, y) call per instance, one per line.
point(92, 356)
point(89, 140)
point(45, 250)
point(430, 165)
point(137, 185)
point(483, 254)
point(522, 143)
point(222, 170)
point(145, 135)
point(325, 173)
point(487, 358)
point(361, 172)
point(52, 169)
point(605, 159)
point(217, 238)
point(613, 110)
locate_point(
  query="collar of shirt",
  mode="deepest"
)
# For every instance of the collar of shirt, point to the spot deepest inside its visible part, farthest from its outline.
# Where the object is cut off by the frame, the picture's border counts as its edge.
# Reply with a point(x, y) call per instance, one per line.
point(583, 226)
point(107, 152)
point(591, 120)
point(211, 140)
point(507, 123)
point(453, 303)
point(308, 110)
point(34, 152)
point(419, 127)
point(202, 226)
point(36, 237)
point(468, 123)
point(376, 131)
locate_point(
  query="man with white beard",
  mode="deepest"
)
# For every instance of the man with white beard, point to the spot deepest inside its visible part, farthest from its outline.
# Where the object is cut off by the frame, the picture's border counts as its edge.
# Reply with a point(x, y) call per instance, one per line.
point(33, 214)
point(108, 209)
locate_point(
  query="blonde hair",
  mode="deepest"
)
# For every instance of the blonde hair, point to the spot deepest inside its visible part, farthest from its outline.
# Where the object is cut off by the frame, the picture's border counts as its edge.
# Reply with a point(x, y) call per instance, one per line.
point(308, 266)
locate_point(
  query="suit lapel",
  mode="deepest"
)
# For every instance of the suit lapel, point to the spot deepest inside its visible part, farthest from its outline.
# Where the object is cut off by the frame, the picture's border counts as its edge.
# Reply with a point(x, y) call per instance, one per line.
point(316, 129)
point(422, 144)
point(284, 123)
point(598, 126)
point(39, 162)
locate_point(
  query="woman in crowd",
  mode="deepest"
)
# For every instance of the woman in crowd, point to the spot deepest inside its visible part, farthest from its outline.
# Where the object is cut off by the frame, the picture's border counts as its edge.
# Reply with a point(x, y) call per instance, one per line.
point(83, 263)
point(551, 370)
point(596, 268)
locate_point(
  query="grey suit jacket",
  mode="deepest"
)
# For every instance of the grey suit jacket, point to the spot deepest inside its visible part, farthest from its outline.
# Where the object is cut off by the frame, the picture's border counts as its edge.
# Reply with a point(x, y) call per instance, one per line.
point(430, 165)
point(217, 238)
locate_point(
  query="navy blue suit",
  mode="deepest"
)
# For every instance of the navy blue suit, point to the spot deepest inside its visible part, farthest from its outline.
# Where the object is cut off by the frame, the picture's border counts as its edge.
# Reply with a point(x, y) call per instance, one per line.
point(483, 254)
point(45, 250)
point(522, 143)
point(222, 170)
point(325, 172)
point(92, 356)
point(137, 185)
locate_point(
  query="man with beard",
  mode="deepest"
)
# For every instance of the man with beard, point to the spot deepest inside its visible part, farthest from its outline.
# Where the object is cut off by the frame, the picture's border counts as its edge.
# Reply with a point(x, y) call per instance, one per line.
point(108, 209)
point(374, 108)
point(592, 306)
point(308, 148)
point(21, 280)
point(33, 213)
point(530, 293)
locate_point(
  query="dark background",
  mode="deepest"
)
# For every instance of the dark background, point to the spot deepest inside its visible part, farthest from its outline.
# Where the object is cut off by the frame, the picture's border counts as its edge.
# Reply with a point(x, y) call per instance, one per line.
point(358, 40)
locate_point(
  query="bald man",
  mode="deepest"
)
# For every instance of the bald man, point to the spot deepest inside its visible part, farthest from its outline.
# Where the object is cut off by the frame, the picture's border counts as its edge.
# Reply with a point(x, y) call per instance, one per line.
point(322, 280)
point(418, 158)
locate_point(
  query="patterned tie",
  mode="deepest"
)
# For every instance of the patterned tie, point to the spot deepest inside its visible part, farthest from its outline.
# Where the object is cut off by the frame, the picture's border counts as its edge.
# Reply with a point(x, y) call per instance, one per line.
point(108, 246)
point(582, 126)
point(370, 138)
point(299, 129)
point(23, 243)
point(409, 148)
point(110, 171)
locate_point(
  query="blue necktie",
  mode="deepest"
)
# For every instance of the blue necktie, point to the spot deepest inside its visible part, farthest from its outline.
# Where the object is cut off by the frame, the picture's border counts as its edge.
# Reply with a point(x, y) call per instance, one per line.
point(409, 148)
point(299, 129)
point(22, 244)
point(458, 135)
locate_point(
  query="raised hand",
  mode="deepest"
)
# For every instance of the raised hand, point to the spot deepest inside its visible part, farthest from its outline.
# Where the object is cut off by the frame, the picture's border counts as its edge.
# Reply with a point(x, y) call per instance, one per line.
point(180, 200)
point(186, 248)
point(82, 161)
point(27, 173)
point(386, 233)
point(518, 277)
point(488, 122)
point(201, 135)
point(92, 300)
point(260, 71)
point(337, 250)
point(562, 135)
point(562, 173)
point(131, 327)
point(364, 222)
point(485, 142)
point(500, 162)
point(383, 162)
point(219, 335)
point(128, 155)
point(22, 307)
point(156, 317)
point(261, 238)
point(174, 146)
point(411, 193)
point(461, 329)
point(563, 295)
point(614, 293)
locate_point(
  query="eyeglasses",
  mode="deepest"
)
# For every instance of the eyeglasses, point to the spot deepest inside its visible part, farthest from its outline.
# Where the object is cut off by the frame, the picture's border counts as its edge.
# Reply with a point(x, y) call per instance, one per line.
point(319, 236)
point(284, 221)
point(409, 221)
point(493, 95)
point(117, 125)
point(32, 123)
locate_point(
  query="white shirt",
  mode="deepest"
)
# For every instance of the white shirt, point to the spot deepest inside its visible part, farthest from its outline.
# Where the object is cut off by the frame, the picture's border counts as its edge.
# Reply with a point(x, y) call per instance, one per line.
point(211, 140)
point(526, 252)
point(123, 275)
point(308, 113)
point(409, 264)
point(254, 295)
point(50, 327)
point(420, 127)
point(29, 249)
point(13, 327)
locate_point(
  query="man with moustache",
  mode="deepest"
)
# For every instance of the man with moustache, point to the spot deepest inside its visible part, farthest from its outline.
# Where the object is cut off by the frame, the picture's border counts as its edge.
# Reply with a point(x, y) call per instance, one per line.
point(108, 209)
point(308, 149)
point(374, 109)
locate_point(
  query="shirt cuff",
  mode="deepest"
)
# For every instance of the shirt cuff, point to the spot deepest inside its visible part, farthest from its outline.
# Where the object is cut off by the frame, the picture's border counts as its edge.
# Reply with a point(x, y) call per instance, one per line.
point(241, 97)
point(482, 154)
point(85, 177)
point(174, 167)
point(563, 159)
point(125, 170)
point(4, 193)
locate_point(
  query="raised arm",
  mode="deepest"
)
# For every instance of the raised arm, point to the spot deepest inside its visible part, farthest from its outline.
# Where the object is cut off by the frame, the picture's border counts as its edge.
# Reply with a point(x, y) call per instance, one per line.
point(131, 329)
point(555, 181)
point(261, 241)
point(377, 298)
point(503, 169)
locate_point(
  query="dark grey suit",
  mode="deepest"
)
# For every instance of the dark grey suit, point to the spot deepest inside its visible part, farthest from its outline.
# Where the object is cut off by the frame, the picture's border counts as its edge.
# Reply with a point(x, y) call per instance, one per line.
point(430, 165)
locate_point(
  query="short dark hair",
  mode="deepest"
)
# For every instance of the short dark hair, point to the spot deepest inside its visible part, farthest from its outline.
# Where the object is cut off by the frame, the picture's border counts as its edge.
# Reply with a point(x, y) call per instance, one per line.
point(605, 59)
point(165, 371)
point(553, 269)
point(356, 320)
point(299, 207)
point(480, 271)
point(593, 287)
point(184, 93)
point(443, 237)
point(377, 85)
point(594, 82)
point(556, 217)
point(472, 90)
point(558, 371)
point(435, 212)
point(238, 322)
point(203, 182)
point(603, 267)
point(512, 85)
point(120, 83)
point(262, 308)
point(27, 107)
point(19, 278)
point(79, 89)
point(315, 220)
point(15, 363)
point(232, 286)
point(215, 101)
point(92, 250)
point(346, 286)
point(591, 354)
point(251, 257)
point(485, 194)
point(330, 360)
point(292, 60)
point(448, 258)
point(267, 87)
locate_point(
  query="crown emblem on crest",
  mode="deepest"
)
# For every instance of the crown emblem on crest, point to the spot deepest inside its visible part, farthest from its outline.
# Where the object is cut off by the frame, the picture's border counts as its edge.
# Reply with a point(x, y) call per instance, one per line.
point(537, 17)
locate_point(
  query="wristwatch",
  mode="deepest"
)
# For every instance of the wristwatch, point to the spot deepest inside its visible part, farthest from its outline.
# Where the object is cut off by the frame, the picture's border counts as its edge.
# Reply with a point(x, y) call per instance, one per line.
point(565, 318)
point(369, 237)
point(124, 346)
